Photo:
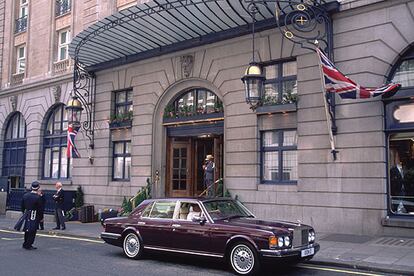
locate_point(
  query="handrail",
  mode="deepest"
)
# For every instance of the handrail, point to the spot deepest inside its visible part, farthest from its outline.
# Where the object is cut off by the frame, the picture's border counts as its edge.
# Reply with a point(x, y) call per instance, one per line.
point(209, 186)
point(132, 199)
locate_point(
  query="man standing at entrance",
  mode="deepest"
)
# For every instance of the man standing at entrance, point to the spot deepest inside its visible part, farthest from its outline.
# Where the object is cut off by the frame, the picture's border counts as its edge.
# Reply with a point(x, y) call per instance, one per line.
point(59, 213)
point(208, 169)
point(31, 208)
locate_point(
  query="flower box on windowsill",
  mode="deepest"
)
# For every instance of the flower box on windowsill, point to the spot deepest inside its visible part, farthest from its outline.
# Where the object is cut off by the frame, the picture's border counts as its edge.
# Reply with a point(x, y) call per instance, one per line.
point(277, 108)
point(195, 117)
point(121, 124)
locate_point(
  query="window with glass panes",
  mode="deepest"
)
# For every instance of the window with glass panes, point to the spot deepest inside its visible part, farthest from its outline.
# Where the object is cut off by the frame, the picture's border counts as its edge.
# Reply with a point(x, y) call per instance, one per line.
point(123, 103)
point(56, 165)
point(279, 163)
point(23, 8)
point(281, 85)
point(63, 46)
point(21, 59)
point(121, 160)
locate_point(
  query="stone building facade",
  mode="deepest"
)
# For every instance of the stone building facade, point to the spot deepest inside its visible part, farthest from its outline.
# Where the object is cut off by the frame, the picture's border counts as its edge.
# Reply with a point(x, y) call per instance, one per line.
point(349, 195)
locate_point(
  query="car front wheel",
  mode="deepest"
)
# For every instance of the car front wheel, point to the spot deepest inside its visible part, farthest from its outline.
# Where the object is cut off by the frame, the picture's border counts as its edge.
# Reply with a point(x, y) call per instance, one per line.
point(243, 259)
point(132, 246)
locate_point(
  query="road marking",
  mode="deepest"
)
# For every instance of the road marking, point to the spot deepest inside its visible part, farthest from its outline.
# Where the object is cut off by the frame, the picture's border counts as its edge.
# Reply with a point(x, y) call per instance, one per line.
point(56, 236)
point(11, 239)
point(337, 270)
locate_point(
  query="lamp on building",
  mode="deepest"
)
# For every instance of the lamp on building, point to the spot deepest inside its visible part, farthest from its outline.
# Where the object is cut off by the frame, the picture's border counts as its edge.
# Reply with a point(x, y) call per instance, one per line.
point(253, 79)
point(74, 111)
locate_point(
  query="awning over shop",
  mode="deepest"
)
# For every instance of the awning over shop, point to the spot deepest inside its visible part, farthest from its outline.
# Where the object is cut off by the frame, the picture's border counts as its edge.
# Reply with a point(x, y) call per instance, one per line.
point(164, 26)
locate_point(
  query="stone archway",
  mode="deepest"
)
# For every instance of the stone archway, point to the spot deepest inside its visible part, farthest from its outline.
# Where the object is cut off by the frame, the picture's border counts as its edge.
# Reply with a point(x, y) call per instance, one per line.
point(159, 137)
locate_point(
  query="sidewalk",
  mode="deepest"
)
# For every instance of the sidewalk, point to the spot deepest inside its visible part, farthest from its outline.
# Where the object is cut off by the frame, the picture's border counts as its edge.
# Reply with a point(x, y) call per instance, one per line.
point(382, 254)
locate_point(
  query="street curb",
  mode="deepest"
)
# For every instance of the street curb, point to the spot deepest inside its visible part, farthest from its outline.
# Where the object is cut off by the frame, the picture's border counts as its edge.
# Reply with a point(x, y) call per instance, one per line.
point(362, 267)
point(60, 234)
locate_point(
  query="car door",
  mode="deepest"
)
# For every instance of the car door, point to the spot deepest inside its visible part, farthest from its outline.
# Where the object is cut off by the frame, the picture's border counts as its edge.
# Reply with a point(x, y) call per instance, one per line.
point(156, 229)
point(187, 234)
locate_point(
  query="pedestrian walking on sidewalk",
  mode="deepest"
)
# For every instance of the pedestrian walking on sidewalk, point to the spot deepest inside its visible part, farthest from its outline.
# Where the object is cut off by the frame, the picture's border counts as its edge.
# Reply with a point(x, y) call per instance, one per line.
point(59, 207)
point(31, 208)
point(42, 209)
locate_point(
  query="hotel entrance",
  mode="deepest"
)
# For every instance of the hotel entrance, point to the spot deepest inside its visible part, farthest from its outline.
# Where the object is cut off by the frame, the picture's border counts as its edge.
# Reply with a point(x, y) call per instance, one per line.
point(185, 159)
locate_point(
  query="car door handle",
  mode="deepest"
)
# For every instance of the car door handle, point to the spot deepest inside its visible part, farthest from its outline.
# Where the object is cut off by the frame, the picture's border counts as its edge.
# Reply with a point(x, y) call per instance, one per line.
point(176, 225)
point(141, 223)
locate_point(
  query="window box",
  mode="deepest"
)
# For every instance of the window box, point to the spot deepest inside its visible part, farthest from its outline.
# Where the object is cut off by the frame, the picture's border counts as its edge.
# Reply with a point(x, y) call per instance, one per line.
point(120, 124)
point(278, 108)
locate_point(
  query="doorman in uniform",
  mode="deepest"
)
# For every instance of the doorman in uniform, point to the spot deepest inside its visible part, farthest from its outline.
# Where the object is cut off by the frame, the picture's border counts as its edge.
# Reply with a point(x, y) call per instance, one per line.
point(59, 208)
point(31, 208)
point(208, 168)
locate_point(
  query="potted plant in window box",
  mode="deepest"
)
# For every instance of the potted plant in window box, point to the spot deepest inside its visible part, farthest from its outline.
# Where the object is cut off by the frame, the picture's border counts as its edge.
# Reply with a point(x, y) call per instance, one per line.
point(123, 120)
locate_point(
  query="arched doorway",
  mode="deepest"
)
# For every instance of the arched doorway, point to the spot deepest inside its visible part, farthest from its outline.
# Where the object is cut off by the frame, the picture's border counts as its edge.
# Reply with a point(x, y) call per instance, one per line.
point(14, 152)
point(194, 123)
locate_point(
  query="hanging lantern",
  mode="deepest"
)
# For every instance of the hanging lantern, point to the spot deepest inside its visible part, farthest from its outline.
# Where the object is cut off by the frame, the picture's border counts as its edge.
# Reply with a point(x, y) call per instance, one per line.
point(74, 111)
point(253, 84)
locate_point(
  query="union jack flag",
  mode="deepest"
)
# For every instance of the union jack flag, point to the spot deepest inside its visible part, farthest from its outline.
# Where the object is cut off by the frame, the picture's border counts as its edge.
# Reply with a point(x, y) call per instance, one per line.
point(336, 82)
point(71, 151)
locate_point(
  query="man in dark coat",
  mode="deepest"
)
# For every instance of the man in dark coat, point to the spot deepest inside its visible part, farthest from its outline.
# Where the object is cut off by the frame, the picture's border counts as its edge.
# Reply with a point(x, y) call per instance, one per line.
point(42, 209)
point(208, 169)
point(59, 207)
point(31, 207)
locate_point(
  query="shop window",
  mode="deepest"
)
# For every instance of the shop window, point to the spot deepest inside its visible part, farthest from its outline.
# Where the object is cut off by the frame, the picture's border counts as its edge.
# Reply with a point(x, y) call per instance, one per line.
point(63, 7)
point(192, 103)
point(279, 163)
point(55, 163)
point(20, 59)
point(21, 21)
point(63, 45)
point(281, 84)
point(121, 165)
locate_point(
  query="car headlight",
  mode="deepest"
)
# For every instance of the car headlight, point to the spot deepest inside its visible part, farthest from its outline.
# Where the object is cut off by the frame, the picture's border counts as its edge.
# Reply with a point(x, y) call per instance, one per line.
point(280, 242)
point(311, 236)
point(287, 241)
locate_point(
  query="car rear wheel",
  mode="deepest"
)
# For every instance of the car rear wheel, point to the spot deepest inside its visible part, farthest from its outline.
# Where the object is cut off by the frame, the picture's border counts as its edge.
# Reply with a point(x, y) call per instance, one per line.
point(132, 246)
point(243, 259)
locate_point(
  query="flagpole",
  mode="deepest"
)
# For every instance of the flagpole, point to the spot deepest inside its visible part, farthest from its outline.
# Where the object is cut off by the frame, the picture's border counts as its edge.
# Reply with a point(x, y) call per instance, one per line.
point(328, 117)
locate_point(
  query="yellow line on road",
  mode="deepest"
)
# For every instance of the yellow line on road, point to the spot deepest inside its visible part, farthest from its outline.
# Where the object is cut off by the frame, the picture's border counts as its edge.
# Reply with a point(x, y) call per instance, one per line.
point(337, 270)
point(55, 236)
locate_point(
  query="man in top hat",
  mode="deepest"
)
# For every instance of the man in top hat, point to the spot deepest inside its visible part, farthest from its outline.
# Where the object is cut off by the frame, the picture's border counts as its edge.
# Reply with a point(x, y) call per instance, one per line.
point(208, 169)
point(31, 207)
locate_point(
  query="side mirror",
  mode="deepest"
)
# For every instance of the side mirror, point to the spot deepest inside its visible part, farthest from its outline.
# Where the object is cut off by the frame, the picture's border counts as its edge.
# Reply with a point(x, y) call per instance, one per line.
point(201, 220)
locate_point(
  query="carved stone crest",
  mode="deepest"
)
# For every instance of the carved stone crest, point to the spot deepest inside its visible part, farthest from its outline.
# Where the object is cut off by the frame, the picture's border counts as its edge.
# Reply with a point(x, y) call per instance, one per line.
point(187, 63)
point(57, 91)
point(13, 101)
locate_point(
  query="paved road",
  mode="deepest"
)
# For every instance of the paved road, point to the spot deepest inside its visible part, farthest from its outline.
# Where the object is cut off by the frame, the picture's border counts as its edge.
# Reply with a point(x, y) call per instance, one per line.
point(73, 256)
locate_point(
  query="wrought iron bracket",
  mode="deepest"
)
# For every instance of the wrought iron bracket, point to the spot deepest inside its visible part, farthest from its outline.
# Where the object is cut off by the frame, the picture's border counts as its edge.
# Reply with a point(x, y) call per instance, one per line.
point(84, 87)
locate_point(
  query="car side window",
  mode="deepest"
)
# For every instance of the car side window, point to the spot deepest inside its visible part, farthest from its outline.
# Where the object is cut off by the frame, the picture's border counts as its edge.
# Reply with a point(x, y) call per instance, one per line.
point(188, 210)
point(163, 209)
point(147, 210)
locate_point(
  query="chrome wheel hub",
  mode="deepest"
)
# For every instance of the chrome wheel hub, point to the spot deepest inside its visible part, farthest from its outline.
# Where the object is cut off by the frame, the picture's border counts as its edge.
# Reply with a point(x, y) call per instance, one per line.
point(242, 259)
point(131, 245)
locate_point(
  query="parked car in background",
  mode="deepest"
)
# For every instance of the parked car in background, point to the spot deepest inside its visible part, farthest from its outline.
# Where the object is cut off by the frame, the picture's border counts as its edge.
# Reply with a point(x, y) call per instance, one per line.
point(219, 228)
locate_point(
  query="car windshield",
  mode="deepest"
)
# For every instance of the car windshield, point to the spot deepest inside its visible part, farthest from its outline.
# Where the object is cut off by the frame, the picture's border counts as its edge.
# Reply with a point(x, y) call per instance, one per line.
point(226, 209)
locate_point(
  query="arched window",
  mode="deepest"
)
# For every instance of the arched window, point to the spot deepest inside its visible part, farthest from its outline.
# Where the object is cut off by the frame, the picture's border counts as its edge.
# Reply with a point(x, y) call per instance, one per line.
point(14, 152)
point(404, 70)
point(55, 163)
point(194, 102)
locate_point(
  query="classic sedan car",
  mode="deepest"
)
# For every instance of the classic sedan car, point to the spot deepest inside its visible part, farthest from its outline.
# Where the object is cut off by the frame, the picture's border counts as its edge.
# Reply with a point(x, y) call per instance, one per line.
point(219, 227)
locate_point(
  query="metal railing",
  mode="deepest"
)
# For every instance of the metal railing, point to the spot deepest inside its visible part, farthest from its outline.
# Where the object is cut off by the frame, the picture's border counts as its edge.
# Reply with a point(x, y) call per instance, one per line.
point(63, 7)
point(17, 78)
point(20, 25)
point(62, 66)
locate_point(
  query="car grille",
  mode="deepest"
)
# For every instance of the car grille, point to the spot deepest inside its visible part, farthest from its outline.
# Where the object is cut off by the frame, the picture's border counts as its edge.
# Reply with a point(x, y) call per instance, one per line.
point(300, 237)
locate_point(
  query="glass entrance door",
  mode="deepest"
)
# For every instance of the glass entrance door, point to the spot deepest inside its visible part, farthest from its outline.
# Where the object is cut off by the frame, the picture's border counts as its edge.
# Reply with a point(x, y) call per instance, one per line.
point(180, 170)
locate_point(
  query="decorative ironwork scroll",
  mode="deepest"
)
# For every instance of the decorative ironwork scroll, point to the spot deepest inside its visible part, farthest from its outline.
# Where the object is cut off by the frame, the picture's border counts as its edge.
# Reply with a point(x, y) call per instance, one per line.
point(84, 85)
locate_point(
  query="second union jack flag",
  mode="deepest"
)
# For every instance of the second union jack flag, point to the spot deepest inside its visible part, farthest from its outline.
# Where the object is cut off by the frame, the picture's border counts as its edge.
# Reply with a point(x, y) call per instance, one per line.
point(336, 82)
point(71, 151)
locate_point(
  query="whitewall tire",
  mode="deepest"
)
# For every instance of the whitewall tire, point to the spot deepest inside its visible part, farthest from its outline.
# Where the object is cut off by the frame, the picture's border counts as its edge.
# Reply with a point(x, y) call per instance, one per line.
point(132, 246)
point(243, 259)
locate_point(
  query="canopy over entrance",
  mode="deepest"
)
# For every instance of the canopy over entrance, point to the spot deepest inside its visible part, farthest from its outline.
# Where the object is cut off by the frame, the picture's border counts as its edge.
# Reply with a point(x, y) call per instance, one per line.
point(165, 26)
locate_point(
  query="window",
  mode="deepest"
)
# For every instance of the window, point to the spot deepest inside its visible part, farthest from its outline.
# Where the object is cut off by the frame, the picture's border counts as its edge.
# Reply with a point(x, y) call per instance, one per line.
point(123, 104)
point(122, 160)
point(62, 7)
point(279, 156)
point(21, 59)
point(194, 102)
point(56, 165)
point(163, 209)
point(280, 85)
point(63, 46)
point(21, 21)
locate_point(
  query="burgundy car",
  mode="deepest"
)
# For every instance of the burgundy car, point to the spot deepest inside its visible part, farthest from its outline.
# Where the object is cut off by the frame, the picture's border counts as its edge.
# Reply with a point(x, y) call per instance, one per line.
point(220, 227)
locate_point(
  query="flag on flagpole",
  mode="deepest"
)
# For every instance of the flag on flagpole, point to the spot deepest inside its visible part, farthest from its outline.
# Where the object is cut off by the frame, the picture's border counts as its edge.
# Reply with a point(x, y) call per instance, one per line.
point(336, 82)
point(71, 151)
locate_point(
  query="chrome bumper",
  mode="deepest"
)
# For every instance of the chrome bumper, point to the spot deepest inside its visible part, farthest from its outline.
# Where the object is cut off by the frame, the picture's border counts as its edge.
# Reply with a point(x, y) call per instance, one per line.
point(111, 236)
point(291, 252)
